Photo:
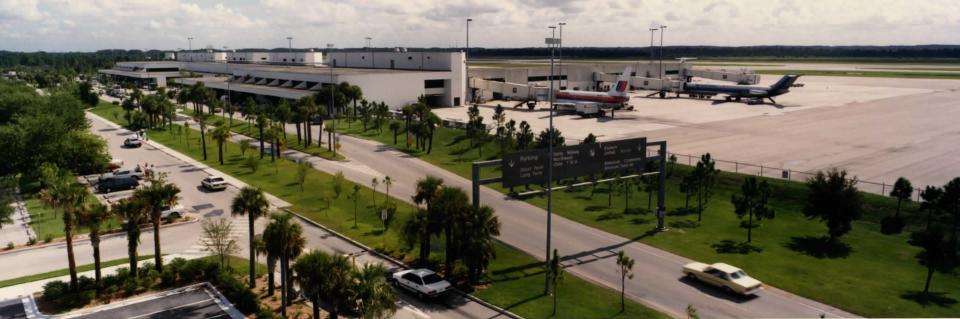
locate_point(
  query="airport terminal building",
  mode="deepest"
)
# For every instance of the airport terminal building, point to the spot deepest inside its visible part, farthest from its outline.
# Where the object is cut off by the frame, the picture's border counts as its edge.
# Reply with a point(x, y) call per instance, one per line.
point(396, 78)
point(399, 77)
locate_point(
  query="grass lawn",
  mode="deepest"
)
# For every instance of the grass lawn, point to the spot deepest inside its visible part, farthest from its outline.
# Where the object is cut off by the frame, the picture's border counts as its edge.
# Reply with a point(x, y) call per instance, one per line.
point(48, 222)
point(65, 271)
point(521, 295)
point(876, 275)
point(871, 74)
point(239, 265)
point(242, 127)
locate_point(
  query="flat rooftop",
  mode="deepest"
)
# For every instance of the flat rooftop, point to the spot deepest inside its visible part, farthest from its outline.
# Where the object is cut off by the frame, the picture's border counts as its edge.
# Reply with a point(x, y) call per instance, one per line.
point(193, 302)
point(306, 69)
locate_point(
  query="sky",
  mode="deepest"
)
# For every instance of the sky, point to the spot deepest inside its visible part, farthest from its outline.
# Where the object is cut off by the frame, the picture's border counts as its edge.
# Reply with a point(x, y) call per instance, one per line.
point(89, 25)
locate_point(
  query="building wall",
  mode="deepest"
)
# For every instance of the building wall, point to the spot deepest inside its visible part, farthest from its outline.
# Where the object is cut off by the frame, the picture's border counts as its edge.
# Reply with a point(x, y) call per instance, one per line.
point(301, 58)
point(201, 56)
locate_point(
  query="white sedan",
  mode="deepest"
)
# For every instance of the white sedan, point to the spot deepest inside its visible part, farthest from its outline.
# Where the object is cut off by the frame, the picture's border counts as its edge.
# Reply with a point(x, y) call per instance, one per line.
point(423, 282)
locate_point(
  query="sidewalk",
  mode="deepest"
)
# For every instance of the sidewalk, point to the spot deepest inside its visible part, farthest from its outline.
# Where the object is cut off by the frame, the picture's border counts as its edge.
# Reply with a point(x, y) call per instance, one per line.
point(19, 232)
point(36, 286)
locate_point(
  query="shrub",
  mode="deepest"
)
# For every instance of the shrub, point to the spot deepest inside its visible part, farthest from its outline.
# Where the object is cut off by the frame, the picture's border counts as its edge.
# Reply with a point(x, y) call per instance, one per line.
point(32, 241)
point(10, 245)
point(266, 313)
point(59, 294)
point(115, 102)
point(237, 292)
point(892, 225)
point(48, 238)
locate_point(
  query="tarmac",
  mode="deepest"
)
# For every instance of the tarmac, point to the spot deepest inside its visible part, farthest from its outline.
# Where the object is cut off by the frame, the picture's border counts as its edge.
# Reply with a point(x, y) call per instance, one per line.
point(876, 128)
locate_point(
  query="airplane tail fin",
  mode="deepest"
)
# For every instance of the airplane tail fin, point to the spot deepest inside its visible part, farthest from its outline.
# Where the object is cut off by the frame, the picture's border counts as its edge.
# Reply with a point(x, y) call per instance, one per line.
point(623, 83)
point(784, 84)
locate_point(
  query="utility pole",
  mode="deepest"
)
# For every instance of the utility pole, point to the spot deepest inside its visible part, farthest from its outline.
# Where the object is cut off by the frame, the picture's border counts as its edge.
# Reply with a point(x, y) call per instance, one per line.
point(552, 43)
point(466, 60)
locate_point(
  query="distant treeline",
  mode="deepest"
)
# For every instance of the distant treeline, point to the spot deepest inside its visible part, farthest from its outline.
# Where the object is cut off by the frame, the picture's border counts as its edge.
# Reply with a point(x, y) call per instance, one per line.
point(767, 51)
point(79, 62)
point(85, 62)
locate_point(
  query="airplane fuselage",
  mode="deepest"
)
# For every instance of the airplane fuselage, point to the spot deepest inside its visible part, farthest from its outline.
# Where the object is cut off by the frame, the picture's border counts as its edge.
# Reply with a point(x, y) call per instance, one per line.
point(599, 97)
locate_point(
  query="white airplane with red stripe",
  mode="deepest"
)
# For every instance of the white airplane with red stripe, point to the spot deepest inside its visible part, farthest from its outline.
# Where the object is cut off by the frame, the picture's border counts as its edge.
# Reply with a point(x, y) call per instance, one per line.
point(616, 94)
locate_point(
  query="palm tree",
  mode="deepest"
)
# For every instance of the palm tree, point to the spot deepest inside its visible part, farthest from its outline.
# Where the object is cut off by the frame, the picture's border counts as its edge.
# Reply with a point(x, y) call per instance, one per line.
point(132, 211)
point(423, 223)
point(481, 226)
point(220, 134)
point(269, 245)
point(93, 217)
point(375, 297)
point(64, 193)
point(339, 290)
point(373, 191)
point(261, 122)
point(902, 190)
point(312, 276)
point(157, 195)
point(251, 202)
point(201, 120)
point(387, 182)
point(450, 205)
point(291, 243)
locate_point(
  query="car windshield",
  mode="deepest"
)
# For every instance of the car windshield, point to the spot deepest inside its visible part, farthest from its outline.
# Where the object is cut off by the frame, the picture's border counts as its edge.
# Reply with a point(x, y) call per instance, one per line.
point(216, 179)
point(738, 274)
point(431, 279)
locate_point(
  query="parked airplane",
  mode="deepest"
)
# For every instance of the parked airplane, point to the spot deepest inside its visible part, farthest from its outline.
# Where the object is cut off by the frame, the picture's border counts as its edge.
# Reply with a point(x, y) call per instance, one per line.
point(754, 94)
point(586, 103)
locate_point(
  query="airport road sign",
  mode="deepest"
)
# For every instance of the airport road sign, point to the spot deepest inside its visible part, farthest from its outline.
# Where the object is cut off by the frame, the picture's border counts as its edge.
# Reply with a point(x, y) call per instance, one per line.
point(524, 167)
point(624, 155)
point(577, 160)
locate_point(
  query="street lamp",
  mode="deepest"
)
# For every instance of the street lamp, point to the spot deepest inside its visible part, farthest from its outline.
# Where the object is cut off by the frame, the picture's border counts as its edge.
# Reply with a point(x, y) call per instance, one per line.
point(226, 65)
point(652, 31)
point(552, 43)
point(560, 52)
point(332, 137)
point(373, 57)
point(466, 59)
point(663, 29)
point(190, 47)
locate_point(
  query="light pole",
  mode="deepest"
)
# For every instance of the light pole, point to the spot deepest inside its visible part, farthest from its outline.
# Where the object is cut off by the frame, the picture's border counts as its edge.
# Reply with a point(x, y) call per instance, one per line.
point(290, 50)
point(466, 59)
point(190, 47)
point(373, 57)
point(332, 137)
point(652, 31)
point(560, 52)
point(552, 43)
point(663, 29)
point(226, 65)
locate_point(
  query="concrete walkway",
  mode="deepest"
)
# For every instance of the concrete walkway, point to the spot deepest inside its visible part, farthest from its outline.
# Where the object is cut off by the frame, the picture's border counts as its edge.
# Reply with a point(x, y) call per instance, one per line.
point(19, 232)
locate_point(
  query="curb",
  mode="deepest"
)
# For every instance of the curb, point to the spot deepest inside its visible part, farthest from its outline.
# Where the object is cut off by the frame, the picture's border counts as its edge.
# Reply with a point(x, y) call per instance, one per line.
point(402, 265)
point(60, 241)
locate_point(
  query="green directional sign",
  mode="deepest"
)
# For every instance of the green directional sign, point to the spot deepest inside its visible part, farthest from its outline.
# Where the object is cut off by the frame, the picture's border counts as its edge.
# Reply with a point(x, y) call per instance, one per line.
point(530, 167)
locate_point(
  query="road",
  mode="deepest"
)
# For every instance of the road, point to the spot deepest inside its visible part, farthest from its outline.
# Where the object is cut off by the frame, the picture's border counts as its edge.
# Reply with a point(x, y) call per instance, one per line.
point(591, 251)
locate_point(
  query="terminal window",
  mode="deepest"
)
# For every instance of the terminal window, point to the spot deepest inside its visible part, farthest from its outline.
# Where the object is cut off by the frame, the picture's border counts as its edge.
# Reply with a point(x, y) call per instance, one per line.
point(433, 84)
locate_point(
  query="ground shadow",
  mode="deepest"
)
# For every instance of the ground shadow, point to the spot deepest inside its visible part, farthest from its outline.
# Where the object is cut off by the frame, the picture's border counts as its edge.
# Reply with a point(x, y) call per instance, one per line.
point(716, 292)
point(684, 224)
point(640, 221)
point(682, 212)
point(609, 216)
point(819, 247)
point(728, 246)
point(939, 299)
point(595, 208)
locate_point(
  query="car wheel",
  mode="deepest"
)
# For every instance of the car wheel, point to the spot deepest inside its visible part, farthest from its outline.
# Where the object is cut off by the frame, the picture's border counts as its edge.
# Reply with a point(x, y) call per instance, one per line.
point(691, 276)
point(420, 295)
point(727, 290)
point(106, 190)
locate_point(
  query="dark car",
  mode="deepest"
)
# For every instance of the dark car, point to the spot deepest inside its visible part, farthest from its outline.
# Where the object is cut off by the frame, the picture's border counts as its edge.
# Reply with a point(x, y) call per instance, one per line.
point(117, 183)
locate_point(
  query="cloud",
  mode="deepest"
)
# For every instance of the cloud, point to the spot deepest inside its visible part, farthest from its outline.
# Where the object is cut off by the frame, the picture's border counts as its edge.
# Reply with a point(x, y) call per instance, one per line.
point(63, 25)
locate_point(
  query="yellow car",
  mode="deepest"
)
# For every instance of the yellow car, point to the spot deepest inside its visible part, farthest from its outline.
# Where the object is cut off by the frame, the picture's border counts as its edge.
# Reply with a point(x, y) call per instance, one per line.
point(729, 278)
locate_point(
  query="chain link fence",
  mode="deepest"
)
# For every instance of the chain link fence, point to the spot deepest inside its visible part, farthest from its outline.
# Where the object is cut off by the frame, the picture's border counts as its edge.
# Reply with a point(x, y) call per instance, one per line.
point(881, 188)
